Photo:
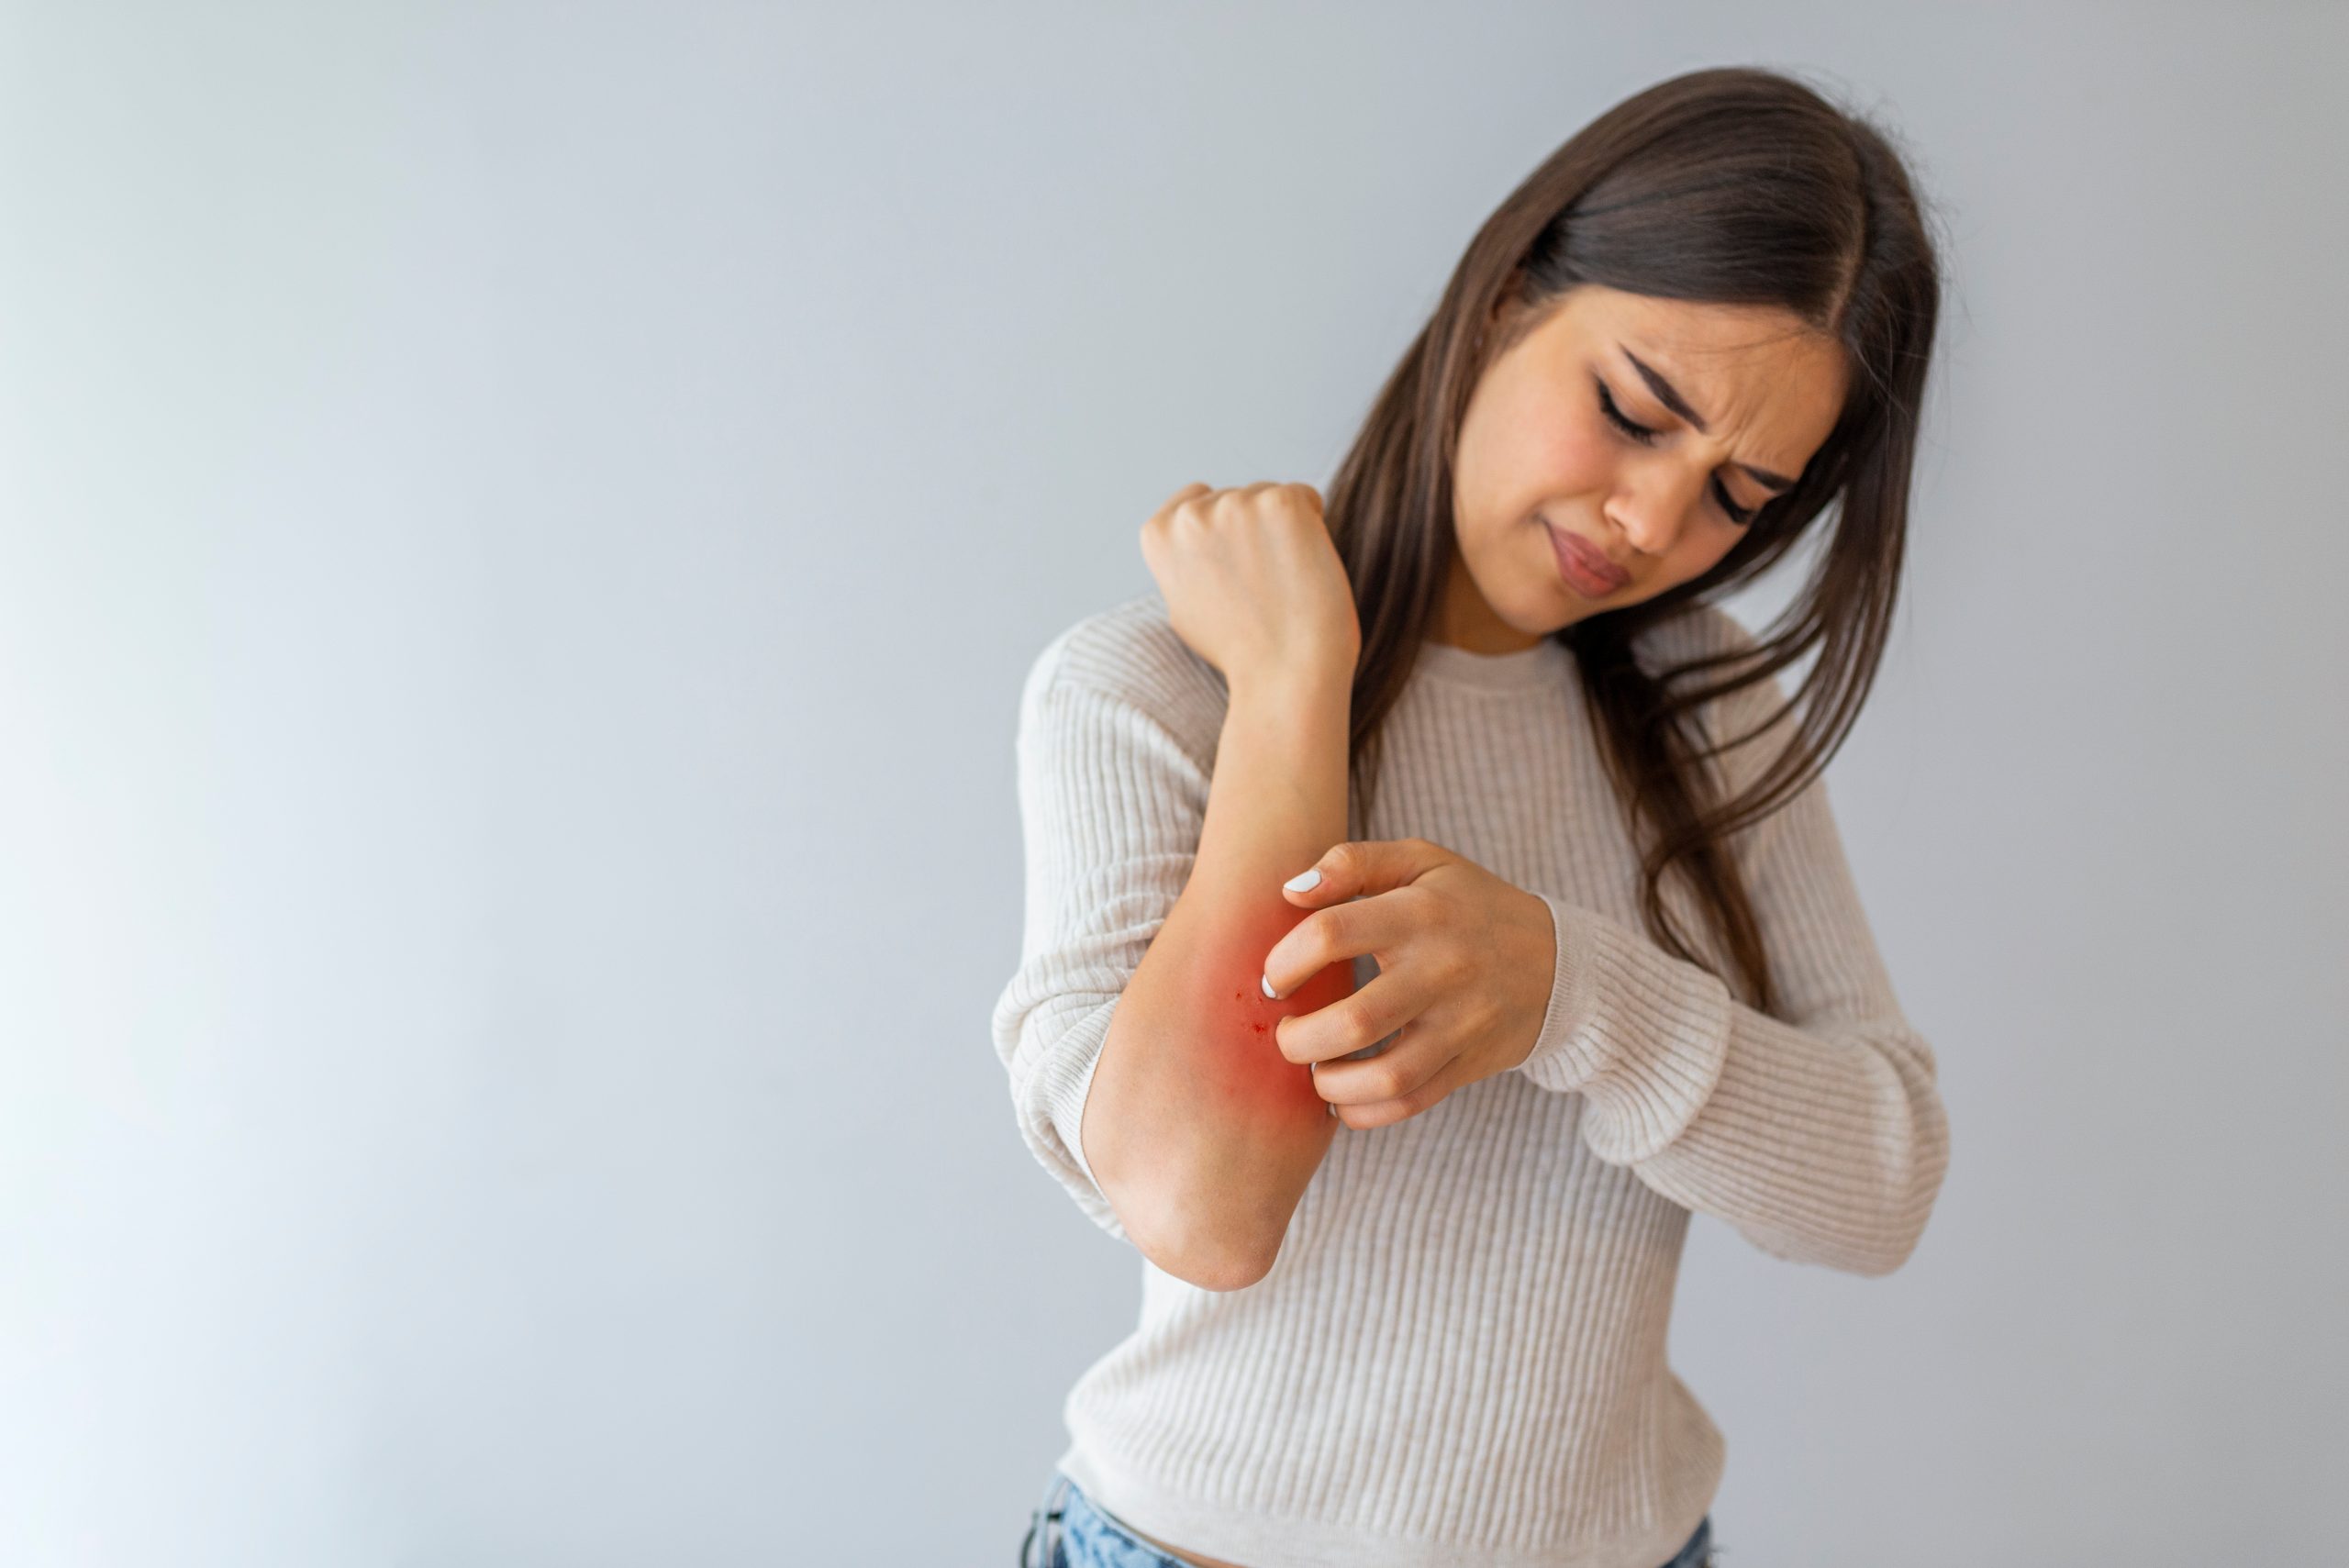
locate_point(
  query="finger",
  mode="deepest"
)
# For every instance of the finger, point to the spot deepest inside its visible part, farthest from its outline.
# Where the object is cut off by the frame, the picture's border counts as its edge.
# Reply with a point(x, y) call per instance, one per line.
point(1343, 932)
point(1410, 1059)
point(1360, 867)
point(1167, 507)
point(1423, 1095)
point(1351, 1023)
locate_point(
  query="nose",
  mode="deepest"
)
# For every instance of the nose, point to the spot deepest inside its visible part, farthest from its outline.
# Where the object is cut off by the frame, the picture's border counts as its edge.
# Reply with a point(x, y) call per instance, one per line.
point(1651, 509)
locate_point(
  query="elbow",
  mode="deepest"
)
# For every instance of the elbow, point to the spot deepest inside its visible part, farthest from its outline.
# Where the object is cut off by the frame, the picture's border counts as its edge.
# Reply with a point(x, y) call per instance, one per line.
point(1887, 1259)
point(1218, 1271)
point(1870, 1246)
point(1912, 1187)
point(1205, 1256)
point(1178, 1242)
point(1905, 1227)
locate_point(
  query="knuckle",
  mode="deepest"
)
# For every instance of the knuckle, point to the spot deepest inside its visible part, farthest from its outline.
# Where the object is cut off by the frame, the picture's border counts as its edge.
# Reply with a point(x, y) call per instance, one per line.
point(1332, 926)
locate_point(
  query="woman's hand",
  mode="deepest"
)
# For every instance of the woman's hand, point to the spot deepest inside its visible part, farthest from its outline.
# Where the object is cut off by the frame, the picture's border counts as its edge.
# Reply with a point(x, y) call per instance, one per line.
point(1252, 582)
point(1465, 962)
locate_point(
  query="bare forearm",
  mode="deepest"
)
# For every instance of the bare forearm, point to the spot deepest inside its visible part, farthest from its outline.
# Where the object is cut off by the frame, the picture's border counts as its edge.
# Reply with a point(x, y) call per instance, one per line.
point(1202, 1135)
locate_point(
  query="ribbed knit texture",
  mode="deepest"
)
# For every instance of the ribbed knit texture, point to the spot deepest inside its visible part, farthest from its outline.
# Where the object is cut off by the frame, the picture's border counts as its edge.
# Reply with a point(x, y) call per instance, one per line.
point(1459, 1354)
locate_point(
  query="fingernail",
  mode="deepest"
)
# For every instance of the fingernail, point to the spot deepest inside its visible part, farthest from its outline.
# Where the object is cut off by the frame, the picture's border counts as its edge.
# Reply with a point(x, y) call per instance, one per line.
point(1304, 882)
point(1266, 982)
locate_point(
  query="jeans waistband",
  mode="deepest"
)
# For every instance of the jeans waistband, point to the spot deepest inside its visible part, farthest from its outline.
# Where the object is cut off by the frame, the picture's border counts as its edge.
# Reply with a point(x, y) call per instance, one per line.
point(1040, 1547)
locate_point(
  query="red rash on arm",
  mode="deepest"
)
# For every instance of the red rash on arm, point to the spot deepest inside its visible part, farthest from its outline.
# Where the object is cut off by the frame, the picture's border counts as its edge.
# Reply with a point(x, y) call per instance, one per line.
point(1251, 1074)
point(1201, 1134)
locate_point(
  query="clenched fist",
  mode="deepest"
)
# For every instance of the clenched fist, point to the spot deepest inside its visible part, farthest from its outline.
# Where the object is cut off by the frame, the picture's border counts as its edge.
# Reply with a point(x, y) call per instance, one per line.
point(1252, 582)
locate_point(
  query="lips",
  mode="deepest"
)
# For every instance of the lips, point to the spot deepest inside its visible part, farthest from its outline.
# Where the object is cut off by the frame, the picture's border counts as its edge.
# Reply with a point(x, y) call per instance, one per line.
point(1587, 557)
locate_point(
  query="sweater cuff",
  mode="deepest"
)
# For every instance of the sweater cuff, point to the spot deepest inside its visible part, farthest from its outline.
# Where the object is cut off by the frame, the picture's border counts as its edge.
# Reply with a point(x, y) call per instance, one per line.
point(1056, 1090)
point(1640, 1035)
point(1563, 1058)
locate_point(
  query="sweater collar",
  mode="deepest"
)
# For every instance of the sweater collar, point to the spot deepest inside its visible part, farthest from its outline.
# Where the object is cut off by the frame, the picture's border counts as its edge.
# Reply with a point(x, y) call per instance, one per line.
point(1538, 667)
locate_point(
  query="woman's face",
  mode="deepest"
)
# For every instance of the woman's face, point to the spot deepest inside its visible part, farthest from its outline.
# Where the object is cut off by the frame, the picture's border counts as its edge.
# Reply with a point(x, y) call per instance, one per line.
point(1540, 458)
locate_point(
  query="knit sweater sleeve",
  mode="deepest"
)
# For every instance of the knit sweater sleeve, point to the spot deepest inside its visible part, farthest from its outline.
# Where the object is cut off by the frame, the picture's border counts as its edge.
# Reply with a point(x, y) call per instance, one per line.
point(1112, 803)
point(1817, 1130)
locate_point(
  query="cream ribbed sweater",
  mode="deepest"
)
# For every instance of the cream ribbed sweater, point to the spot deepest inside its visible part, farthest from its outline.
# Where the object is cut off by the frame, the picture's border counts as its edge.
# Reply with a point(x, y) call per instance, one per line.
point(1459, 1353)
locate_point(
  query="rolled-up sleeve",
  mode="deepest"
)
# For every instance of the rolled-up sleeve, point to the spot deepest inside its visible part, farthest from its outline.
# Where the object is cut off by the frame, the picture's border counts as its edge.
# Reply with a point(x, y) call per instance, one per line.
point(1817, 1130)
point(1112, 804)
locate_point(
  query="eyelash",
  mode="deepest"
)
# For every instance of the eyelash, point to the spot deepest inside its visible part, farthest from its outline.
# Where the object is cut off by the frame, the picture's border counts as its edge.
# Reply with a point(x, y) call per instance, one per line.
point(1645, 437)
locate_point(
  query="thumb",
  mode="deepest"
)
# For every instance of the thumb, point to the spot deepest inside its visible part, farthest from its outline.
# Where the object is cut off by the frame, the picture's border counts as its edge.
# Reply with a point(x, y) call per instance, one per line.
point(1360, 867)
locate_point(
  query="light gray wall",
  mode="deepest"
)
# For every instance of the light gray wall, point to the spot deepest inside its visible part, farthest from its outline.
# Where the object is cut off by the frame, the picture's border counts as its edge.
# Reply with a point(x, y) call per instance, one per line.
point(521, 527)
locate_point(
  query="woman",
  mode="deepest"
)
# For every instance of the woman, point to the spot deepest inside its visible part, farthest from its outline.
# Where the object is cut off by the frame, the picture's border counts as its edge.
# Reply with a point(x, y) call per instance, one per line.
point(1433, 898)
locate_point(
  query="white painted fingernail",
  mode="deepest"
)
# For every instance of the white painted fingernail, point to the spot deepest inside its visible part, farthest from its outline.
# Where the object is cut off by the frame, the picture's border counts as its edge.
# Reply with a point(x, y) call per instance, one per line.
point(1266, 982)
point(1304, 882)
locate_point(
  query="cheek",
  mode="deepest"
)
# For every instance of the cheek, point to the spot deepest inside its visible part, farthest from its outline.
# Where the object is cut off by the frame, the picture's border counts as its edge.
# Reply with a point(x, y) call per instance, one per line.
point(1581, 459)
point(1699, 550)
point(1551, 458)
point(1519, 454)
point(1706, 545)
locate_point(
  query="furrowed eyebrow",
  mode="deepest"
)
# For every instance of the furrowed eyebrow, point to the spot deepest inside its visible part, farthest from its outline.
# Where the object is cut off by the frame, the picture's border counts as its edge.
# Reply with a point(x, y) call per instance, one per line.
point(1669, 395)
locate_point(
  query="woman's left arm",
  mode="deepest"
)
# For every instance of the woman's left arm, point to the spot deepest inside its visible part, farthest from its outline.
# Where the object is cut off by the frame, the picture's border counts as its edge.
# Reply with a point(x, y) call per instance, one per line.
point(1817, 1131)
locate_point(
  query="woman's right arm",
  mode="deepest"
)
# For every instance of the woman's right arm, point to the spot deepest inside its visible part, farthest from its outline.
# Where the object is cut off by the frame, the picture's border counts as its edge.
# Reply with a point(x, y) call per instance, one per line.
point(1144, 1062)
point(1201, 1135)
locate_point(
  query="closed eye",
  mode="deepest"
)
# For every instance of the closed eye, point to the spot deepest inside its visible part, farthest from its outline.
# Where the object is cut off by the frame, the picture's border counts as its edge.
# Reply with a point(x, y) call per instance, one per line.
point(1739, 515)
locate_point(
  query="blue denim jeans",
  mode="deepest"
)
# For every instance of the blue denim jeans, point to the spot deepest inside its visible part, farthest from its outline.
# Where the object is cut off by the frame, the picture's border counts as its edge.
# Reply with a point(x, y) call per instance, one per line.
point(1065, 1530)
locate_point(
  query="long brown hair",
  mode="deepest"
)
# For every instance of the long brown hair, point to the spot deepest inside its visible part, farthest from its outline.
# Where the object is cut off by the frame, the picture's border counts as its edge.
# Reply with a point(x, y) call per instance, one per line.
point(1730, 185)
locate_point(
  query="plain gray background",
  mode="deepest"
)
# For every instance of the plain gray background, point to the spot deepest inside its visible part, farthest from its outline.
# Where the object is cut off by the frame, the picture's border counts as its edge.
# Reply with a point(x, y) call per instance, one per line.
point(520, 531)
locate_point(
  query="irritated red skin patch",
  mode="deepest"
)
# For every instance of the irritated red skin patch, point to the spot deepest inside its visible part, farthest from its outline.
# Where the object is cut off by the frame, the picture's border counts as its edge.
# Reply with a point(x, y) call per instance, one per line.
point(1248, 1067)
